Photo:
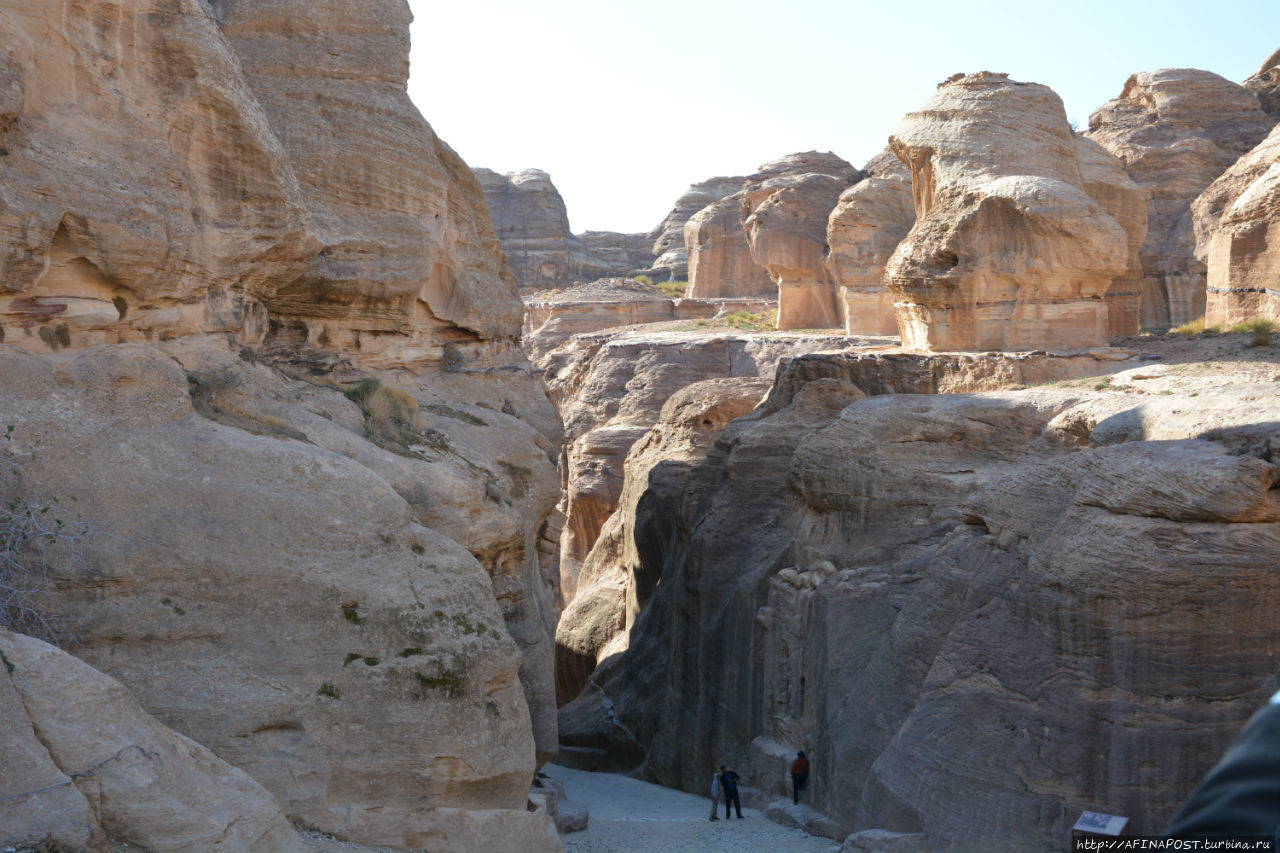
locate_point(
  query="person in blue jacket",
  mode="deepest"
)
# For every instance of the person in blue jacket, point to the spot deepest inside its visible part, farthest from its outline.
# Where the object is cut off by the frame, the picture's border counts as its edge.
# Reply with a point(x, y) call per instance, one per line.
point(729, 788)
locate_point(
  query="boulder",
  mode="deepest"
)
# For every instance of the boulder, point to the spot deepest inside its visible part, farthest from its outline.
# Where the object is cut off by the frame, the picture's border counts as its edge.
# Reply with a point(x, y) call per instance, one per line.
point(1008, 251)
point(785, 208)
point(869, 221)
point(1234, 222)
point(669, 247)
point(1176, 130)
point(85, 764)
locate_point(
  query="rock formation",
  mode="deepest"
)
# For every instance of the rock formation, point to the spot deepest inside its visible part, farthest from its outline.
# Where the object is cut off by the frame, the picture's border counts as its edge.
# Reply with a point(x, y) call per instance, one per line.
point(1008, 250)
point(669, 248)
point(1236, 222)
point(869, 221)
point(532, 224)
point(611, 389)
point(1175, 131)
point(958, 603)
point(720, 262)
point(785, 209)
point(1265, 84)
point(84, 763)
point(343, 596)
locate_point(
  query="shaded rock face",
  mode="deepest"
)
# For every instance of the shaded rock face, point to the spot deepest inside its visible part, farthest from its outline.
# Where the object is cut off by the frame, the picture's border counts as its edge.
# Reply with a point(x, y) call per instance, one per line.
point(869, 221)
point(532, 224)
point(905, 584)
point(670, 250)
point(345, 598)
point(785, 208)
point(611, 389)
point(1008, 250)
point(1236, 223)
point(93, 765)
point(720, 262)
point(1175, 131)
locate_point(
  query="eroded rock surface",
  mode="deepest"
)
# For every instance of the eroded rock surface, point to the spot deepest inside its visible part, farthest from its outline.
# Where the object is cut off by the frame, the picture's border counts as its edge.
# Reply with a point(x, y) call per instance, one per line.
point(669, 248)
point(1008, 251)
point(720, 262)
point(989, 600)
point(785, 208)
point(1235, 222)
point(84, 763)
point(1265, 84)
point(1176, 130)
point(869, 221)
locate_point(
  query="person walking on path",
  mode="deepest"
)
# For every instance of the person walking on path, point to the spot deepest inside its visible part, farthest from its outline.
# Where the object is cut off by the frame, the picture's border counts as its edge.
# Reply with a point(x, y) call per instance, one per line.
point(799, 775)
point(715, 794)
point(729, 787)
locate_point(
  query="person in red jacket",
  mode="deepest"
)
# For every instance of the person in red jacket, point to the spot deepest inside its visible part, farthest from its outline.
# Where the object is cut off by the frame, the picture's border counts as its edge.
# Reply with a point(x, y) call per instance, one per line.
point(799, 775)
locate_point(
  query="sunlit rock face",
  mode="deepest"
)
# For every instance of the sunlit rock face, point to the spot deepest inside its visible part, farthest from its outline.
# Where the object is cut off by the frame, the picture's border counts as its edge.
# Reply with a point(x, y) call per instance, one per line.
point(215, 218)
point(1237, 225)
point(1106, 182)
point(785, 208)
point(1008, 251)
point(1176, 130)
point(719, 255)
point(670, 249)
point(868, 222)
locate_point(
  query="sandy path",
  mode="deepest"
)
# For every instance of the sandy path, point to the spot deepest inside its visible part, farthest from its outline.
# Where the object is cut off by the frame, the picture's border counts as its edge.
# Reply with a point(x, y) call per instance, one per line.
point(629, 816)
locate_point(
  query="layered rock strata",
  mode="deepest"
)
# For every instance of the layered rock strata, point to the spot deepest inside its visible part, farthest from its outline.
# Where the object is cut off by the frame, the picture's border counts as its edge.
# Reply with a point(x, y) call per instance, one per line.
point(670, 251)
point(84, 763)
point(551, 319)
point(1176, 130)
point(905, 583)
point(785, 208)
point(532, 223)
point(869, 221)
point(1237, 220)
point(342, 596)
point(611, 389)
point(1008, 251)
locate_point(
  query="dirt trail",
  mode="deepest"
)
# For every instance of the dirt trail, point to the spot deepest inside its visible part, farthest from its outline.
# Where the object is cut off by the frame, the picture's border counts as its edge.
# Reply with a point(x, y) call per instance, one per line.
point(629, 816)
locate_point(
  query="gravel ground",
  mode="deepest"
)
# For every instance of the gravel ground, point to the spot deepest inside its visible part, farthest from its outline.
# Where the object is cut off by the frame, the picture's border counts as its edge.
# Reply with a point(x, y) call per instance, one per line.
point(629, 816)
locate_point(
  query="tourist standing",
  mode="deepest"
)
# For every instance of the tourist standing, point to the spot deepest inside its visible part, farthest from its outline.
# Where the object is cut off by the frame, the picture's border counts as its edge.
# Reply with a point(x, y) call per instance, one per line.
point(715, 794)
point(799, 775)
point(729, 787)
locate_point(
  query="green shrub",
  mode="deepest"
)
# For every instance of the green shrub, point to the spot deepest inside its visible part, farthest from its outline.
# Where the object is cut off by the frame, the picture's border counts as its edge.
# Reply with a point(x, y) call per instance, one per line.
point(1262, 328)
point(643, 279)
point(673, 289)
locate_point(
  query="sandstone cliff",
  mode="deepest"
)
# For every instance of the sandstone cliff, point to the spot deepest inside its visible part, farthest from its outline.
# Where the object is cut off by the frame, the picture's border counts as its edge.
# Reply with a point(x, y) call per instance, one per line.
point(214, 225)
point(1176, 130)
point(785, 208)
point(532, 224)
point(1235, 222)
point(869, 221)
point(1265, 84)
point(669, 247)
point(1008, 601)
point(720, 262)
point(1008, 250)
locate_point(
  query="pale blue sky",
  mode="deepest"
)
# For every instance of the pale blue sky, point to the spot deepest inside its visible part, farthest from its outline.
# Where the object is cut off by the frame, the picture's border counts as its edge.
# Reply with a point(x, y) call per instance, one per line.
point(626, 104)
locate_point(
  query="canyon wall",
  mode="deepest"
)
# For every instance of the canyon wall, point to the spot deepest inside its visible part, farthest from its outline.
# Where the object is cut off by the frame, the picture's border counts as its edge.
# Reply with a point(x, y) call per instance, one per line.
point(1002, 603)
point(670, 249)
point(257, 321)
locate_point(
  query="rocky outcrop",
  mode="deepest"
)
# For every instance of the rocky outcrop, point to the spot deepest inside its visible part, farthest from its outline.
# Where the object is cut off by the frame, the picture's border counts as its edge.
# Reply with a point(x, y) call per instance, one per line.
point(1008, 250)
point(1175, 131)
point(785, 209)
point(551, 319)
point(343, 596)
point(869, 221)
point(84, 763)
point(904, 584)
point(1235, 223)
point(532, 224)
point(611, 389)
point(669, 248)
point(1265, 85)
point(720, 262)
